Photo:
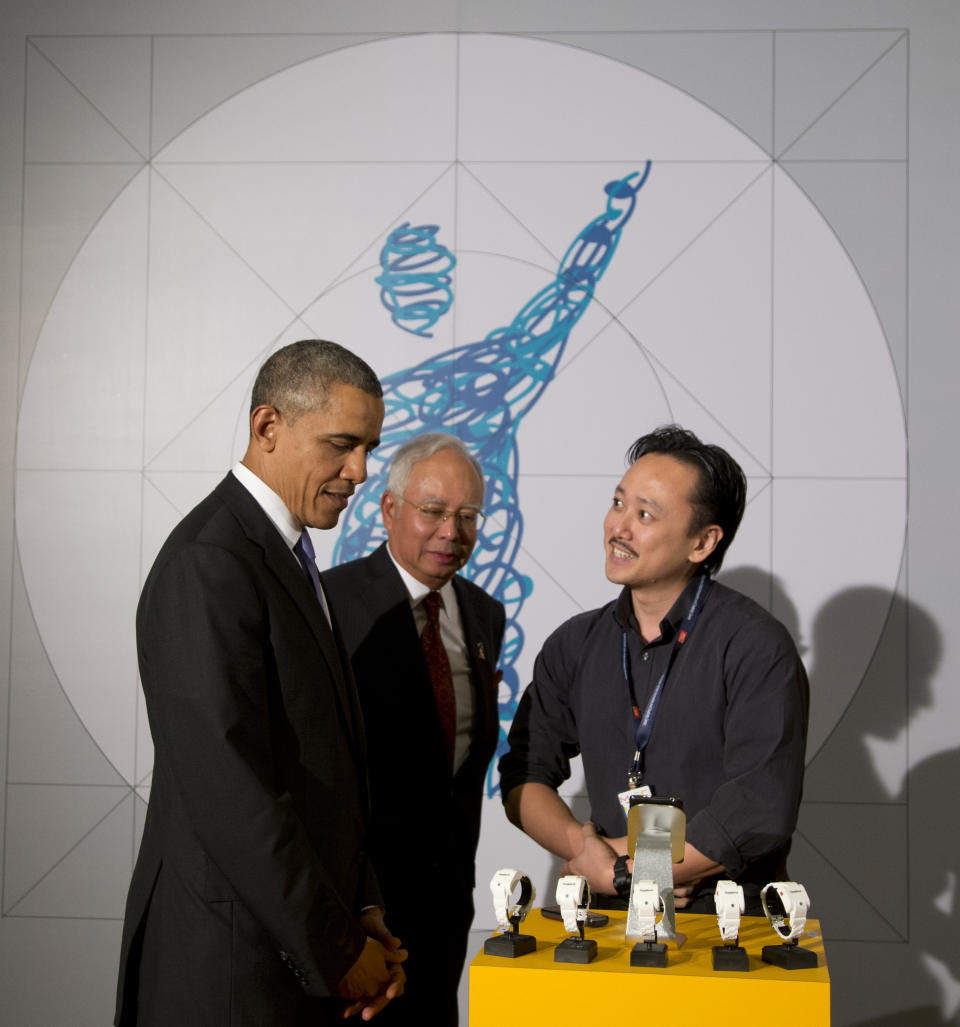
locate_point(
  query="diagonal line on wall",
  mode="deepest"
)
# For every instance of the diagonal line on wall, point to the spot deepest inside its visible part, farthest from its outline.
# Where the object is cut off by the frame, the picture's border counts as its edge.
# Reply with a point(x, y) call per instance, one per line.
point(542, 567)
point(86, 99)
point(296, 315)
point(896, 930)
point(867, 664)
point(615, 316)
point(127, 792)
point(347, 273)
point(838, 98)
point(553, 258)
point(46, 654)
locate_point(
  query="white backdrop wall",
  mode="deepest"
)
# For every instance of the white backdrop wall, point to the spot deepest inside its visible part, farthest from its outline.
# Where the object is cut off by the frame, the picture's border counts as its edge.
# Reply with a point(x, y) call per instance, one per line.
point(183, 190)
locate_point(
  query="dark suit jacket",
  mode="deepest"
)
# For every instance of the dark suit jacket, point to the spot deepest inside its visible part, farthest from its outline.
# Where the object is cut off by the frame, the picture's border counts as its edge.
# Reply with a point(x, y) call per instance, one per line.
point(252, 867)
point(425, 820)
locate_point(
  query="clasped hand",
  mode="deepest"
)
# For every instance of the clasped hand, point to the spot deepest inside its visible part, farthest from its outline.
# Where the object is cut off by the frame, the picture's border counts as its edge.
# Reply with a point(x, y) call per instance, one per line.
point(377, 977)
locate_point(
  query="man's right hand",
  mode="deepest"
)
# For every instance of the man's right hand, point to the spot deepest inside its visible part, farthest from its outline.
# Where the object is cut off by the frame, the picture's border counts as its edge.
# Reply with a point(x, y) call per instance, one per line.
point(595, 861)
point(373, 980)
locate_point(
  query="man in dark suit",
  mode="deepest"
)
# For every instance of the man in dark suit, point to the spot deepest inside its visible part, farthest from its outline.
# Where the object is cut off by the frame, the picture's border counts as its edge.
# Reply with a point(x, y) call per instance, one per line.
point(431, 715)
point(253, 900)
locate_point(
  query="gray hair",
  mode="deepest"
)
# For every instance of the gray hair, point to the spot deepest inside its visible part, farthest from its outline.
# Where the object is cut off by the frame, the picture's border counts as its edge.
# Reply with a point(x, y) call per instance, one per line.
point(297, 378)
point(422, 447)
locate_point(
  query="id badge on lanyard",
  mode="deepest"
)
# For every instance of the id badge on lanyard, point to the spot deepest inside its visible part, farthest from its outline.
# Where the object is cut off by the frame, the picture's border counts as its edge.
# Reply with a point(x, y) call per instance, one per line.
point(645, 790)
point(643, 724)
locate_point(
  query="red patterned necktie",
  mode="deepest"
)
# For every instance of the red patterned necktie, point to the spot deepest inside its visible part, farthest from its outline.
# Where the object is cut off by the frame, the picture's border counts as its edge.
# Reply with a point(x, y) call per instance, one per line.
point(441, 677)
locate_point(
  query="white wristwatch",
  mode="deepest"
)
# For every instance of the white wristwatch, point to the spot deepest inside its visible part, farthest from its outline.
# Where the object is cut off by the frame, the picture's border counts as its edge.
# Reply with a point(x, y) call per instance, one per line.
point(646, 901)
point(573, 897)
point(728, 896)
point(794, 903)
point(502, 885)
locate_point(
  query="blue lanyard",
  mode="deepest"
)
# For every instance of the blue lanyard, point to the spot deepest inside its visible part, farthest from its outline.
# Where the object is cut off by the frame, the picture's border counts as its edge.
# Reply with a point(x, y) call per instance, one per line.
point(643, 725)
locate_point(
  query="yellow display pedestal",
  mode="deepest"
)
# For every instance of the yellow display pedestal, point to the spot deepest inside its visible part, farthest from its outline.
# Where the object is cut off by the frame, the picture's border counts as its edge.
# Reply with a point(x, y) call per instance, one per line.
point(535, 990)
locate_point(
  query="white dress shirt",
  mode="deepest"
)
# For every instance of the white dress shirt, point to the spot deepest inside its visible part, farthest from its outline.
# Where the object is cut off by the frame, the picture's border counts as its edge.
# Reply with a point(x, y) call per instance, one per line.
point(276, 510)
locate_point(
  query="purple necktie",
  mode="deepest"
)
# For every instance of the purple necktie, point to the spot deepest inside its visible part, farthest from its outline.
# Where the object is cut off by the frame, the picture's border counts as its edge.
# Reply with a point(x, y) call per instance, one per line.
point(441, 677)
point(308, 560)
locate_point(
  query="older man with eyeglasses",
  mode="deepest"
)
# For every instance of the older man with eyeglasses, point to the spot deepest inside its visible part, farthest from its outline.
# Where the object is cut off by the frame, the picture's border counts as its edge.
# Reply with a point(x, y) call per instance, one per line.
point(424, 644)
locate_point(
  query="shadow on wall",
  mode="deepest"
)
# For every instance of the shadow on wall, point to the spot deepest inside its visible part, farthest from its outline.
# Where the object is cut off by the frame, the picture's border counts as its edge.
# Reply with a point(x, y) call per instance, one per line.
point(931, 955)
point(767, 590)
point(892, 844)
point(932, 952)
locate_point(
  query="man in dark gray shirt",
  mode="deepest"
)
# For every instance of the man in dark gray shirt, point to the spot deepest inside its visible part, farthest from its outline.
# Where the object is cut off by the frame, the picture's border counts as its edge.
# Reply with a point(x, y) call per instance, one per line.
point(685, 687)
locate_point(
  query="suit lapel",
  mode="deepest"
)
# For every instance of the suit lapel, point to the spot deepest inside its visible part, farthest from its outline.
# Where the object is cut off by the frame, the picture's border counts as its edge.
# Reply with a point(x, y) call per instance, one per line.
point(387, 594)
point(389, 590)
point(481, 655)
point(283, 564)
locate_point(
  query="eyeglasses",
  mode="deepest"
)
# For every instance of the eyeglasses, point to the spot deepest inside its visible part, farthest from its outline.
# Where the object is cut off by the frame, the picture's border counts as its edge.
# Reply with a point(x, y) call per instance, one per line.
point(467, 517)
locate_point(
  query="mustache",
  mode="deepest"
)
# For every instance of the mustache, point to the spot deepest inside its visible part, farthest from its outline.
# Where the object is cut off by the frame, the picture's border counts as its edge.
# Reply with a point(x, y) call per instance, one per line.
point(614, 541)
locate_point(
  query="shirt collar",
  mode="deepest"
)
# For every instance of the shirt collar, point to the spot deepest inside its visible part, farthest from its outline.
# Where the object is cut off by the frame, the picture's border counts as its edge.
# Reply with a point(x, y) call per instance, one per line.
point(417, 590)
point(670, 625)
point(268, 501)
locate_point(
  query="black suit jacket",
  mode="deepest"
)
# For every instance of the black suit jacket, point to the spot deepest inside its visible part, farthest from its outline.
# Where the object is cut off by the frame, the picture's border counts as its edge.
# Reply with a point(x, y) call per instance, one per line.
point(252, 868)
point(426, 821)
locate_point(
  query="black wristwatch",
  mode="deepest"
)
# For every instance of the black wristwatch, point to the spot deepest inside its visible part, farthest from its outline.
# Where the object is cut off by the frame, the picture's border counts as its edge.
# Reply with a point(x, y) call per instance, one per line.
point(621, 877)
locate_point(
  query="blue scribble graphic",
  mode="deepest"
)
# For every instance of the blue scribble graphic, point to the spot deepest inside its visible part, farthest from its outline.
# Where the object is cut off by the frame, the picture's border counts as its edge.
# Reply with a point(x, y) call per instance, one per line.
point(480, 392)
point(415, 285)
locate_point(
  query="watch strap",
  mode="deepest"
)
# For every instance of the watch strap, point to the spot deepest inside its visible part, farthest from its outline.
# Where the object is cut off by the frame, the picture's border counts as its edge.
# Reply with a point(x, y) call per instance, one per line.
point(621, 877)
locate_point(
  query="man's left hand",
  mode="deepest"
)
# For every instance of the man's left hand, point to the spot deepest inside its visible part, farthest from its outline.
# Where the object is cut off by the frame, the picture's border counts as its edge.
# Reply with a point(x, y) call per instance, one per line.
point(375, 926)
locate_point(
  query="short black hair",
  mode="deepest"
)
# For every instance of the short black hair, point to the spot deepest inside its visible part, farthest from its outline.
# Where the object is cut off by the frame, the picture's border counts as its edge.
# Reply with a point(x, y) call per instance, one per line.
point(721, 492)
point(297, 378)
